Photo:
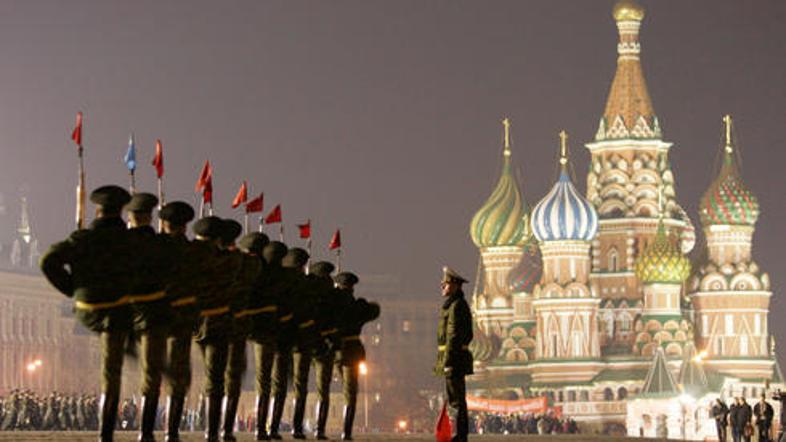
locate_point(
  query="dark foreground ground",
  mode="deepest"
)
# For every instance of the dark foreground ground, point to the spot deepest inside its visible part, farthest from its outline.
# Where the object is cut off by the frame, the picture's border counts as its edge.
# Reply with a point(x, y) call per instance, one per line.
point(195, 437)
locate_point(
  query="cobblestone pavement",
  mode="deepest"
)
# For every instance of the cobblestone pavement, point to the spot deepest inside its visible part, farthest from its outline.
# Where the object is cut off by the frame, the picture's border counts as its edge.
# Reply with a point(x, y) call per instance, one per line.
point(243, 437)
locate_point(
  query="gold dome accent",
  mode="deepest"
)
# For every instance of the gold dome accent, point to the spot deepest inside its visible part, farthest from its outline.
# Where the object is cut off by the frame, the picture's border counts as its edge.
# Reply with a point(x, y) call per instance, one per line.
point(626, 10)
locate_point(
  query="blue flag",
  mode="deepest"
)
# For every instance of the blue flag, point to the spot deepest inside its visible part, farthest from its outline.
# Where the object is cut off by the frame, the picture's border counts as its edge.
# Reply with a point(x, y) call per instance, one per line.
point(130, 158)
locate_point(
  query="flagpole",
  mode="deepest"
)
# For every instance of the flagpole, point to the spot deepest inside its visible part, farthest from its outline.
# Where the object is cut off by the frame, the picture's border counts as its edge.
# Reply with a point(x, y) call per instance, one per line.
point(261, 224)
point(281, 231)
point(338, 260)
point(80, 191)
point(308, 248)
point(210, 209)
point(202, 206)
point(160, 203)
point(245, 222)
point(133, 182)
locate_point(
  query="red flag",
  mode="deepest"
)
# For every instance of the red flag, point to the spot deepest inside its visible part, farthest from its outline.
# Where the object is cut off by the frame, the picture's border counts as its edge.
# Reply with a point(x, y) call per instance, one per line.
point(158, 160)
point(207, 193)
point(305, 230)
point(255, 205)
point(443, 430)
point(274, 216)
point(204, 177)
point(76, 135)
point(335, 242)
point(241, 197)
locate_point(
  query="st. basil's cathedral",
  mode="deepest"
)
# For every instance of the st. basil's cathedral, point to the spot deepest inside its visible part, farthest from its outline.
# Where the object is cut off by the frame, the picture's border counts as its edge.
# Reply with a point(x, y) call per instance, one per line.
point(591, 300)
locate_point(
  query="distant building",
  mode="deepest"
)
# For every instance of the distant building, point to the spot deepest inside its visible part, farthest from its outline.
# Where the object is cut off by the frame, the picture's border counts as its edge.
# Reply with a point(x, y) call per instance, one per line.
point(591, 300)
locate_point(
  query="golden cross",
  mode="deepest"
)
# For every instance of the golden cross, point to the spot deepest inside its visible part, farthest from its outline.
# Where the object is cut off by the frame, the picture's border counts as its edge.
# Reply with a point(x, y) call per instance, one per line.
point(727, 122)
point(563, 150)
point(506, 125)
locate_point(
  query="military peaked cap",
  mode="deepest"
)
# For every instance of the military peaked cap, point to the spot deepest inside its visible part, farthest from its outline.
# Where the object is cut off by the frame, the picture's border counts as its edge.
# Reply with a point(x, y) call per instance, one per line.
point(296, 257)
point(450, 276)
point(111, 196)
point(142, 202)
point(274, 252)
point(347, 279)
point(177, 213)
point(322, 269)
point(230, 230)
point(253, 242)
point(209, 227)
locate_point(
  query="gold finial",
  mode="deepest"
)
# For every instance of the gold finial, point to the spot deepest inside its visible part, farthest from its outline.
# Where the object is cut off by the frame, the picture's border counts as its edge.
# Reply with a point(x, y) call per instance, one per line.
point(626, 10)
point(506, 125)
point(563, 148)
point(727, 122)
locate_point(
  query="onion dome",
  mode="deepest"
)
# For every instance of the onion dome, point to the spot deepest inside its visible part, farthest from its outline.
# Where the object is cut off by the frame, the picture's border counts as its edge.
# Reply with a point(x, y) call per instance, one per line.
point(504, 218)
point(527, 274)
point(662, 261)
point(728, 200)
point(563, 214)
point(626, 10)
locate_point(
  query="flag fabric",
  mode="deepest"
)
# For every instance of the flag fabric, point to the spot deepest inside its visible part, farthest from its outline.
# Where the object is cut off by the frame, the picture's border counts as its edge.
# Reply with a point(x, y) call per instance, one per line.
point(274, 216)
point(207, 192)
point(335, 242)
point(204, 177)
point(255, 205)
point(158, 160)
point(241, 197)
point(130, 158)
point(305, 230)
point(76, 135)
point(443, 430)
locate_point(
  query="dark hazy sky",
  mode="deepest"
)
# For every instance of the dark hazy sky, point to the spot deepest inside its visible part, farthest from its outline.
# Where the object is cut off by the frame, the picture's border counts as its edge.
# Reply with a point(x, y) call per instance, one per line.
point(381, 118)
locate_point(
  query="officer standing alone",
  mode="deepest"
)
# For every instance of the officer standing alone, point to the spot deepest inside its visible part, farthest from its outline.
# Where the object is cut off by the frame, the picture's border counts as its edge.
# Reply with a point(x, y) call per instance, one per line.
point(454, 361)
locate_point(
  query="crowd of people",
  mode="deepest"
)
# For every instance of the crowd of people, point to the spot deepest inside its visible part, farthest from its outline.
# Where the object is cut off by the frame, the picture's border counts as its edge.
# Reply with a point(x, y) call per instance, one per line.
point(743, 421)
point(24, 410)
point(157, 292)
point(527, 423)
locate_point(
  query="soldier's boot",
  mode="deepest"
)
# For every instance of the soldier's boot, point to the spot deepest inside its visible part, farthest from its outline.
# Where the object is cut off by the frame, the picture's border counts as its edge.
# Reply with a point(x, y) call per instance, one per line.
point(174, 413)
point(108, 415)
point(322, 415)
point(275, 418)
point(213, 412)
point(349, 419)
point(297, 418)
point(230, 411)
point(262, 407)
point(149, 412)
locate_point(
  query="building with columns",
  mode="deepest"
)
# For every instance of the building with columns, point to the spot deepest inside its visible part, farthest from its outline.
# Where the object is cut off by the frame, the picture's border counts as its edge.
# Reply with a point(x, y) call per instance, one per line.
point(593, 301)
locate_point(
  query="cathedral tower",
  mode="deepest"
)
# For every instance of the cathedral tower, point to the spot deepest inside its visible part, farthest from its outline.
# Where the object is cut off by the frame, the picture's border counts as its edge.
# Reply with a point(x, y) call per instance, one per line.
point(566, 309)
point(730, 293)
point(500, 229)
point(629, 165)
point(662, 269)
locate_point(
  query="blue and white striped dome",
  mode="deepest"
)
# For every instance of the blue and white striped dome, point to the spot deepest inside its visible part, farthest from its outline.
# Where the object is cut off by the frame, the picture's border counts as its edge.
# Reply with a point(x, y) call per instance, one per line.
point(563, 215)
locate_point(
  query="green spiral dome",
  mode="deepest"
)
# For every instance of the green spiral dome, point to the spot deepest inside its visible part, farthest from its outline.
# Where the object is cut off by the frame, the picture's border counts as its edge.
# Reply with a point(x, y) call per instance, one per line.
point(504, 218)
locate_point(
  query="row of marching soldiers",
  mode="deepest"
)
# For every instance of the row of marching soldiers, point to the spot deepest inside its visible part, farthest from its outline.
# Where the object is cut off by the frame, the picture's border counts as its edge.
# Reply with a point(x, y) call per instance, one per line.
point(165, 291)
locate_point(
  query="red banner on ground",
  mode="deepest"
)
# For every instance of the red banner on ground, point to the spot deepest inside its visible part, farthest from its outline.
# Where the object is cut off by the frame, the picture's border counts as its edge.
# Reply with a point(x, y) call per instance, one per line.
point(530, 405)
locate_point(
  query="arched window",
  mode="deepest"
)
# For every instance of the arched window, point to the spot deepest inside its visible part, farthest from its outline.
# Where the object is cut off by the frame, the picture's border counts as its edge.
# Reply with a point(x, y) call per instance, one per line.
point(584, 395)
point(576, 344)
point(560, 397)
point(571, 396)
point(613, 260)
point(622, 393)
point(608, 394)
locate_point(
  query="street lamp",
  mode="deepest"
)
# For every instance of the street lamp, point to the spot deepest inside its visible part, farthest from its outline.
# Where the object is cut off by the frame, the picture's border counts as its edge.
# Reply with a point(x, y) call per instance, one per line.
point(364, 372)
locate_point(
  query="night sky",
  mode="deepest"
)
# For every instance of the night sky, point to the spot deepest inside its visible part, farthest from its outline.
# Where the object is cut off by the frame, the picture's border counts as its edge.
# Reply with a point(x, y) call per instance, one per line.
point(381, 118)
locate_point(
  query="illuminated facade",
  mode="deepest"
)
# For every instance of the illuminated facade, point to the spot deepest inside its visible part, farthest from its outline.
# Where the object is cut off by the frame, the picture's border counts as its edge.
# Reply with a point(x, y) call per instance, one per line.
point(617, 323)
